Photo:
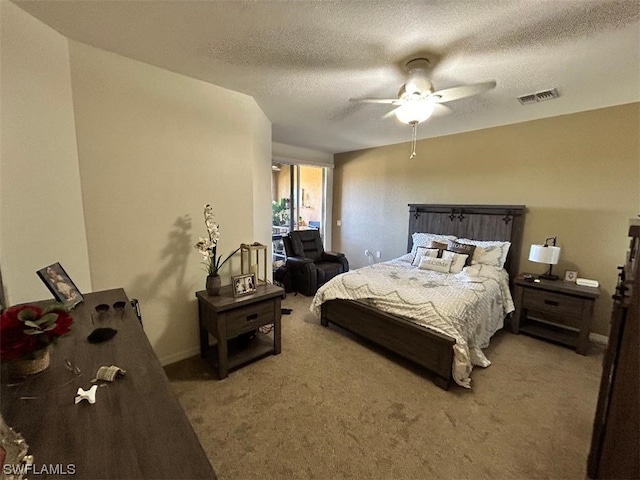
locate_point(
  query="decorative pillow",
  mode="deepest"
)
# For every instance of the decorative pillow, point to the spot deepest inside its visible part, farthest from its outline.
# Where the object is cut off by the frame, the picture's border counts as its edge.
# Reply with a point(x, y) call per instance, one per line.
point(439, 245)
point(493, 253)
point(464, 249)
point(434, 263)
point(423, 252)
point(458, 260)
point(425, 239)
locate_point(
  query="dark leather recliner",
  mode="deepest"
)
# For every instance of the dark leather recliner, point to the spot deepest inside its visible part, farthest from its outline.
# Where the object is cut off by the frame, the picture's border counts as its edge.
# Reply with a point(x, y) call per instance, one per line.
point(308, 265)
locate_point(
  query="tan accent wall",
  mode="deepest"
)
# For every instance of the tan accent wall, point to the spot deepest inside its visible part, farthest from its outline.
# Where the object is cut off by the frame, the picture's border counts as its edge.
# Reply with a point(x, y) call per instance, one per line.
point(578, 175)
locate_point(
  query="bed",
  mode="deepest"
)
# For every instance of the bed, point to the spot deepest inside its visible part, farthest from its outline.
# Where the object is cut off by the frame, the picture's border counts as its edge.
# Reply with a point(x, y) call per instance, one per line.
point(430, 346)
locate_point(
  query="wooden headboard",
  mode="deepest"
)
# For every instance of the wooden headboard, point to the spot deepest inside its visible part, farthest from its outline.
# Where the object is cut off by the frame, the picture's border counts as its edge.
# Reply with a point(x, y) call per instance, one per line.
point(477, 222)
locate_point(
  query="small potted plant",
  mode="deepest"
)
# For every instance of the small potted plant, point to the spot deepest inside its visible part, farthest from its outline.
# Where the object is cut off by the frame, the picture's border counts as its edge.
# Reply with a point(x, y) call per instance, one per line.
point(27, 331)
point(208, 246)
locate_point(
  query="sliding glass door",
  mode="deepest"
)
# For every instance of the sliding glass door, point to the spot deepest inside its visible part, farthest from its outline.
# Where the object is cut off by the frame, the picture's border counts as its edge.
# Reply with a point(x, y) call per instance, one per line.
point(298, 202)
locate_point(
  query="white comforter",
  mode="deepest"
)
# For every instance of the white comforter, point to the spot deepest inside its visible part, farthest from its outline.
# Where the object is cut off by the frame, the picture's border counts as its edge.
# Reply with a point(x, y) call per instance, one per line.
point(469, 306)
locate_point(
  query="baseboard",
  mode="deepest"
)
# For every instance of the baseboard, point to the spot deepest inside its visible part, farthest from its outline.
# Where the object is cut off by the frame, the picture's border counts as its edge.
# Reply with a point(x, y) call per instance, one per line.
point(599, 339)
point(176, 357)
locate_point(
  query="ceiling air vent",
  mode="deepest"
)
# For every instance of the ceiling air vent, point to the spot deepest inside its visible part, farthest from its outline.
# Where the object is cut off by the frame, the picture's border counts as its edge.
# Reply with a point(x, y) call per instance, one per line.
point(538, 97)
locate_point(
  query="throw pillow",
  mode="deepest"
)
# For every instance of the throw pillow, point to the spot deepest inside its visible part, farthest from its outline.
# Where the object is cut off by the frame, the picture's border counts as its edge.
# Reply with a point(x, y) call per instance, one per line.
point(441, 246)
point(421, 252)
point(434, 263)
point(424, 239)
point(458, 260)
point(489, 252)
point(464, 249)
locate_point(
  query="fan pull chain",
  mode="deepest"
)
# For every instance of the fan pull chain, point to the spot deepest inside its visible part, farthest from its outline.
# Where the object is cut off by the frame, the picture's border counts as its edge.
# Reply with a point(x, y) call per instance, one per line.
point(413, 140)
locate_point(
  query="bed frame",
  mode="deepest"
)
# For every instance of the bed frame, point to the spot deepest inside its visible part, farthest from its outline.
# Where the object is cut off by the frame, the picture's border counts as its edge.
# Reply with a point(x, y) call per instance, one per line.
point(428, 348)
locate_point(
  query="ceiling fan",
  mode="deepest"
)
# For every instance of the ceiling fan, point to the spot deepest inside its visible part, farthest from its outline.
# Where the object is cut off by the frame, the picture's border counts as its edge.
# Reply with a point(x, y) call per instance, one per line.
point(417, 99)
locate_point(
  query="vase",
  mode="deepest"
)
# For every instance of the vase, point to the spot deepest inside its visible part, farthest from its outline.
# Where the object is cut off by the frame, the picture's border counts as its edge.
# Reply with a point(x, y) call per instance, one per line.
point(213, 285)
point(23, 367)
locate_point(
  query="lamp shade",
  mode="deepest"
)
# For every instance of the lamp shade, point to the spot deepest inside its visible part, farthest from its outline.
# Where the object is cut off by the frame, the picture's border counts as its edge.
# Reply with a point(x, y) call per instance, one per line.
point(544, 254)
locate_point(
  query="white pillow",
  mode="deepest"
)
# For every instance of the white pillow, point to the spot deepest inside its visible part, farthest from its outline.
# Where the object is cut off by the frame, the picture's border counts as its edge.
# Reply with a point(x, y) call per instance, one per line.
point(423, 252)
point(434, 263)
point(457, 260)
point(493, 253)
point(407, 257)
point(425, 239)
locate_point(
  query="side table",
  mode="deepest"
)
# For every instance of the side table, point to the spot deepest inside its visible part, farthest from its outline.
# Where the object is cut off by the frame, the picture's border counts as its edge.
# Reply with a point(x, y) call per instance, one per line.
point(554, 310)
point(226, 317)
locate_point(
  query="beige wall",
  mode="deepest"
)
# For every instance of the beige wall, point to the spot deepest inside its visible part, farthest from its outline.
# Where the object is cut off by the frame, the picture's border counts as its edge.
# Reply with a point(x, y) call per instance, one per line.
point(154, 148)
point(260, 144)
point(41, 208)
point(106, 166)
point(578, 175)
point(291, 154)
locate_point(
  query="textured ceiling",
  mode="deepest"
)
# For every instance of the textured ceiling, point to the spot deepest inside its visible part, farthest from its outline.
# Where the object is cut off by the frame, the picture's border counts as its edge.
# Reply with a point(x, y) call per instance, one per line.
point(303, 60)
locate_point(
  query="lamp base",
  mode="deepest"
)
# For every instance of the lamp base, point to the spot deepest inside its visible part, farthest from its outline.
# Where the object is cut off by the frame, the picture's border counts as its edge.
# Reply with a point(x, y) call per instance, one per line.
point(548, 276)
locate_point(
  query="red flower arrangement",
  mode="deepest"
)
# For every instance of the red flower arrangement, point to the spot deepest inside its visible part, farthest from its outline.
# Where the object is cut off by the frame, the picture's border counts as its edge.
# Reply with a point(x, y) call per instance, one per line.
point(25, 330)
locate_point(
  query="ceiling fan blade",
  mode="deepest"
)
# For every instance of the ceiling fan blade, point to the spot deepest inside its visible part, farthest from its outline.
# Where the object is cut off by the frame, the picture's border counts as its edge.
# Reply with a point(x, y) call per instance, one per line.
point(374, 100)
point(391, 113)
point(456, 93)
point(441, 110)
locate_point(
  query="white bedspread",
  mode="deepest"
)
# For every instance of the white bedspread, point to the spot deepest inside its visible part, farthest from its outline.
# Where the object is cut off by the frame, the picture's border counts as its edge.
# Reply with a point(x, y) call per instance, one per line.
point(469, 306)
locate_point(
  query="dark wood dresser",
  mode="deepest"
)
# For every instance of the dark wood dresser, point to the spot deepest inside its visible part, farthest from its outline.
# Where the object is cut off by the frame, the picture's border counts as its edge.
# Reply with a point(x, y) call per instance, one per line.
point(136, 429)
point(615, 444)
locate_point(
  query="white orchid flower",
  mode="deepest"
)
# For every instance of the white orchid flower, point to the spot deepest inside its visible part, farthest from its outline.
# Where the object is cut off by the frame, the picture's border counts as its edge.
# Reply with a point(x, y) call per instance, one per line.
point(208, 246)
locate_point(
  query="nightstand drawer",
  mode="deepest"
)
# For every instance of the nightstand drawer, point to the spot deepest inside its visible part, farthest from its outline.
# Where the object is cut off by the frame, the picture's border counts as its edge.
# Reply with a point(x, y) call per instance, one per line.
point(553, 303)
point(249, 318)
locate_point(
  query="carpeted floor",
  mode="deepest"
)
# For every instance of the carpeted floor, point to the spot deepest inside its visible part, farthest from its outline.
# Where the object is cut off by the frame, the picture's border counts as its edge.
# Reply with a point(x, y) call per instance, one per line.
point(331, 407)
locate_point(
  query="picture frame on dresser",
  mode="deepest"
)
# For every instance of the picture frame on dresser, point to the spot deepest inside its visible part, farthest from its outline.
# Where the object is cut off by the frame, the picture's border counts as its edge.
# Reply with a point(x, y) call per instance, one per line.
point(243, 284)
point(570, 276)
point(60, 285)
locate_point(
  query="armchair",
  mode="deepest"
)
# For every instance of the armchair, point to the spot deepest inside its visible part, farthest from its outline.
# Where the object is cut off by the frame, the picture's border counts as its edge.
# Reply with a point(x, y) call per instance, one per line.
point(309, 266)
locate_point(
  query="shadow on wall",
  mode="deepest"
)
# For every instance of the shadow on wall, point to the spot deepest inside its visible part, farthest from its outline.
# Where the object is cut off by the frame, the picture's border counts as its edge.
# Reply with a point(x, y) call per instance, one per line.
point(168, 287)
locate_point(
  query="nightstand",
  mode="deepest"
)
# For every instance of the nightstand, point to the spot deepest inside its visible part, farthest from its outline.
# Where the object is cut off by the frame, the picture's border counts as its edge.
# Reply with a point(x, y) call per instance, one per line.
point(226, 318)
point(554, 310)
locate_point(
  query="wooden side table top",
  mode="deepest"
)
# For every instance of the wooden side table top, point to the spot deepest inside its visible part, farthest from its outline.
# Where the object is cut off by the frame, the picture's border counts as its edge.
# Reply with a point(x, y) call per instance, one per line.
point(226, 300)
point(559, 286)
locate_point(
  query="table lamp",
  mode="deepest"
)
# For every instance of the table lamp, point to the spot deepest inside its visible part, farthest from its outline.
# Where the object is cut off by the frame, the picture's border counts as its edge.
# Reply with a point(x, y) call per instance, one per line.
point(546, 254)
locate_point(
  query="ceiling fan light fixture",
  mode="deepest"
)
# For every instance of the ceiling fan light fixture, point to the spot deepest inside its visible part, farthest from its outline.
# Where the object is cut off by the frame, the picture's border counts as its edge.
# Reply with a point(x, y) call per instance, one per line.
point(418, 81)
point(415, 111)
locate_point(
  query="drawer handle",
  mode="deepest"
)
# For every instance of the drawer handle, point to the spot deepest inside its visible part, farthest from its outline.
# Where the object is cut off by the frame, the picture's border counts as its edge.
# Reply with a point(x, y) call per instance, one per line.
point(251, 317)
point(551, 302)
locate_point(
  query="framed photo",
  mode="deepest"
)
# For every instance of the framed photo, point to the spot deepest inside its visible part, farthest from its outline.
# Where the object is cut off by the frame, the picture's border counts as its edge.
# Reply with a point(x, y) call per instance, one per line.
point(60, 285)
point(243, 284)
point(570, 276)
